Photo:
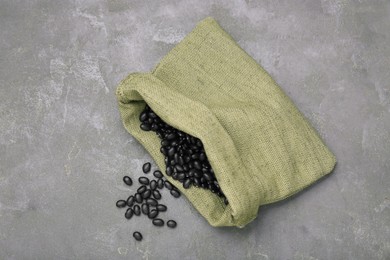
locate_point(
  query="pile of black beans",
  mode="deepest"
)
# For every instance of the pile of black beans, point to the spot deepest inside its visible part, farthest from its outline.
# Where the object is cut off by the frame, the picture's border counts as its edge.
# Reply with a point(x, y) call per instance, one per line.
point(185, 157)
point(146, 199)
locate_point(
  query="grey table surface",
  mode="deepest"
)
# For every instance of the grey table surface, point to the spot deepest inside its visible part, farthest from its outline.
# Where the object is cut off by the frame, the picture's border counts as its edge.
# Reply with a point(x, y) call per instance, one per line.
point(64, 151)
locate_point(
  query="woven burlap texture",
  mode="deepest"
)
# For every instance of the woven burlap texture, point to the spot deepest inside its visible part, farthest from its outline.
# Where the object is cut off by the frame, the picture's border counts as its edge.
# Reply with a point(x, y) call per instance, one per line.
point(260, 146)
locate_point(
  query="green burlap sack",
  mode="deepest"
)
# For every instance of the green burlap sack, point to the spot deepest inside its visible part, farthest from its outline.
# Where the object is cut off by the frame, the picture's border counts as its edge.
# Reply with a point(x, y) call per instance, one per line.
point(260, 146)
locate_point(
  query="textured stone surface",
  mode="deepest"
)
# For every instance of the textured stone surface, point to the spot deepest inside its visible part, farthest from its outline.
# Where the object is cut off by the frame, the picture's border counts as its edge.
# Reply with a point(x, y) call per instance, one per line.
point(63, 150)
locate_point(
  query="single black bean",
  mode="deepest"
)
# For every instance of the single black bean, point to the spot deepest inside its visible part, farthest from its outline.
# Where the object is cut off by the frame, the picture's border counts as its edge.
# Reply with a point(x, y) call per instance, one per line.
point(127, 180)
point(158, 222)
point(137, 210)
point(197, 165)
point(151, 202)
point(129, 213)
point(137, 235)
point(153, 185)
point(146, 194)
point(146, 167)
point(160, 184)
point(143, 116)
point(169, 171)
point(158, 174)
point(156, 194)
point(121, 203)
point(202, 156)
point(161, 207)
point(130, 201)
point(179, 168)
point(152, 115)
point(145, 127)
point(171, 223)
point(181, 176)
point(187, 159)
point(164, 142)
point(153, 213)
point(175, 193)
point(207, 177)
point(141, 189)
point(164, 150)
point(145, 208)
point(195, 156)
point(143, 180)
point(171, 151)
point(171, 136)
point(138, 198)
point(187, 183)
point(168, 185)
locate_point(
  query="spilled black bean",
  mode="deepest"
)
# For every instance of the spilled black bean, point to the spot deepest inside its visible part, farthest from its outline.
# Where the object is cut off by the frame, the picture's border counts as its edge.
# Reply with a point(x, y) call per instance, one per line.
point(121, 203)
point(130, 201)
point(145, 208)
point(160, 184)
point(153, 185)
point(158, 174)
point(161, 207)
point(143, 180)
point(137, 210)
point(168, 185)
point(146, 167)
point(156, 194)
point(137, 235)
point(153, 213)
point(151, 202)
point(171, 223)
point(129, 213)
point(127, 180)
point(158, 222)
point(175, 193)
point(138, 198)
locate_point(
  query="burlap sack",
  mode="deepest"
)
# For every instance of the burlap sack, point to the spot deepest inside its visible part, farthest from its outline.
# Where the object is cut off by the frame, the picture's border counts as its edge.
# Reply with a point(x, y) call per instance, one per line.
point(260, 146)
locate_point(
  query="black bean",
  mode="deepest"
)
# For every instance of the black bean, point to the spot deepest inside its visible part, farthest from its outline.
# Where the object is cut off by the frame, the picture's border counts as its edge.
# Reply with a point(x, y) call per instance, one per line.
point(145, 208)
point(153, 213)
point(175, 193)
point(137, 235)
point(161, 207)
point(164, 142)
point(187, 159)
point(127, 180)
point(171, 136)
point(143, 180)
point(196, 182)
point(130, 201)
point(158, 174)
point(141, 189)
point(202, 156)
point(195, 156)
point(187, 183)
point(179, 168)
point(168, 185)
point(156, 194)
point(207, 177)
point(151, 202)
point(143, 116)
point(146, 194)
point(137, 210)
point(145, 127)
point(181, 176)
point(164, 150)
point(171, 151)
point(169, 171)
point(153, 185)
point(171, 223)
point(158, 222)
point(160, 184)
point(146, 167)
point(197, 165)
point(138, 198)
point(121, 203)
point(129, 213)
